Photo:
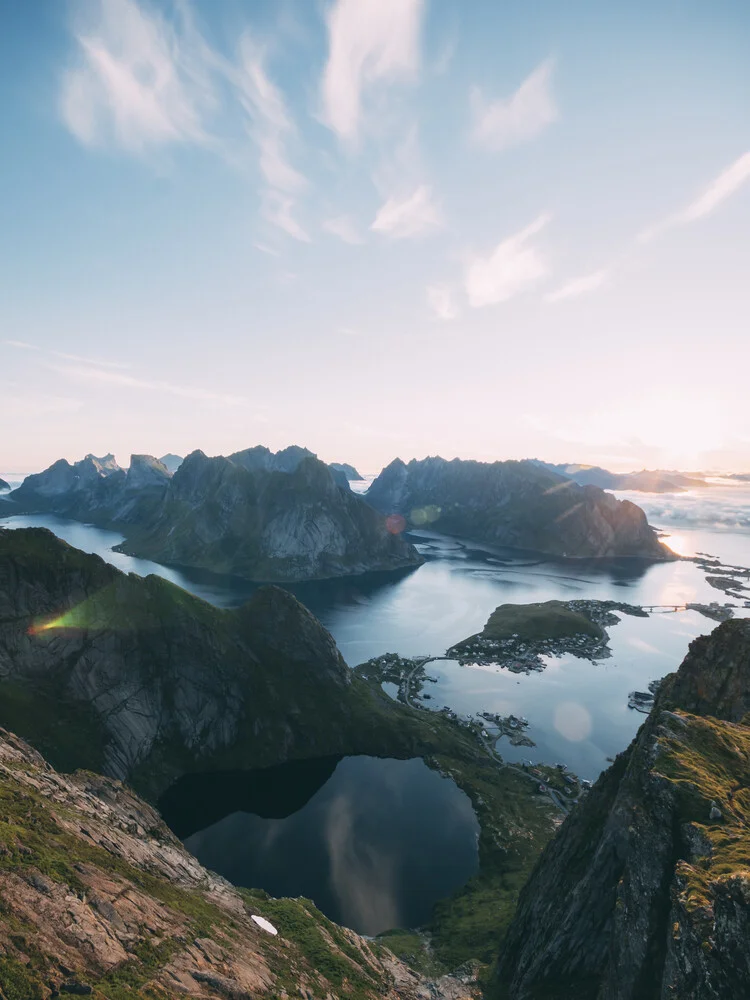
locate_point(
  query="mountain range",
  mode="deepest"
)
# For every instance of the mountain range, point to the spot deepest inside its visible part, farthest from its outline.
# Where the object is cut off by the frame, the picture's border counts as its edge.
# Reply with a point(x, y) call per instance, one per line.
point(514, 504)
point(255, 514)
point(645, 481)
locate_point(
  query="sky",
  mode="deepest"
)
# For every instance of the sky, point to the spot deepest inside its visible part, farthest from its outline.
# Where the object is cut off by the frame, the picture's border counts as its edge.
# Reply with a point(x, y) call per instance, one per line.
point(375, 228)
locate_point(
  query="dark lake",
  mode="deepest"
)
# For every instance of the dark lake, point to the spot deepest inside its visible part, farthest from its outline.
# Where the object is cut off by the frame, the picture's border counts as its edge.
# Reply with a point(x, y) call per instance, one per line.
point(375, 843)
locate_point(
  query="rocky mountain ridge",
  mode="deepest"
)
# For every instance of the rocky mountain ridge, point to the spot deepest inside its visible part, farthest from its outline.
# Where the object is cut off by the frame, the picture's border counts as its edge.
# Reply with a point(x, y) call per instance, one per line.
point(644, 893)
point(515, 504)
point(259, 515)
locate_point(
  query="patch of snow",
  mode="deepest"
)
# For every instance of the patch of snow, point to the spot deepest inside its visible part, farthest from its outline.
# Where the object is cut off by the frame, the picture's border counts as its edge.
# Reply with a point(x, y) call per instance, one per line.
point(266, 925)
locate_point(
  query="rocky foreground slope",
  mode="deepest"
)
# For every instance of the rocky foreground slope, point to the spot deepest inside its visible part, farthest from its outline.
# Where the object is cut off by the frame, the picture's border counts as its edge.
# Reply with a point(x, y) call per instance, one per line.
point(515, 504)
point(264, 516)
point(644, 894)
point(137, 678)
point(98, 898)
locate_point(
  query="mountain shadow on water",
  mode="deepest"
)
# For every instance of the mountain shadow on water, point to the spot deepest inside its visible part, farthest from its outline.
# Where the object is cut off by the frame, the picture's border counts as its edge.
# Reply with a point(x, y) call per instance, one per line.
point(196, 801)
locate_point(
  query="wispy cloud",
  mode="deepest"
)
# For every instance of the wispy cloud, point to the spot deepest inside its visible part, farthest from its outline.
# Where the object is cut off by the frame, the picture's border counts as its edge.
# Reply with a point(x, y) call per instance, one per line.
point(441, 301)
point(579, 286)
point(21, 345)
point(513, 267)
point(406, 218)
point(264, 248)
point(84, 373)
point(90, 361)
point(345, 228)
point(722, 187)
point(138, 81)
point(515, 119)
point(271, 127)
point(370, 42)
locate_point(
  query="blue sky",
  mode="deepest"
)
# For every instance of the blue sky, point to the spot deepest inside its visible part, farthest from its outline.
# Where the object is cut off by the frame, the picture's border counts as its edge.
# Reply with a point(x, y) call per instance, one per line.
point(376, 227)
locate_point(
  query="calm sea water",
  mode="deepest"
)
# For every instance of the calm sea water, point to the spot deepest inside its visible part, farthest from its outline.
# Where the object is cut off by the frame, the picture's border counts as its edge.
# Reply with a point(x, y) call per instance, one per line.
point(369, 861)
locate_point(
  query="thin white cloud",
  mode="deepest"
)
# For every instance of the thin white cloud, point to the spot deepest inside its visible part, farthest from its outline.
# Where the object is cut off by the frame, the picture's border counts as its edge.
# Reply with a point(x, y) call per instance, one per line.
point(278, 209)
point(345, 228)
point(518, 118)
point(89, 361)
point(137, 83)
point(271, 127)
point(86, 374)
point(21, 345)
point(370, 42)
point(442, 302)
point(579, 286)
point(408, 217)
point(264, 248)
point(512, 267)
point(722, 187)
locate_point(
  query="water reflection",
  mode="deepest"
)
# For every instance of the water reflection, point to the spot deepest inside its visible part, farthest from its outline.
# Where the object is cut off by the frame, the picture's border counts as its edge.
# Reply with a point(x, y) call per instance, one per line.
point(375, 843)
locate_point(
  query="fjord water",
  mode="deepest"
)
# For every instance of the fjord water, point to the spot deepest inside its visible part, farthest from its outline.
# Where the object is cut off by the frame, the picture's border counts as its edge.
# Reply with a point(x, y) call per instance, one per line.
point(369, 861)
point(577, 710)
point(381, 859)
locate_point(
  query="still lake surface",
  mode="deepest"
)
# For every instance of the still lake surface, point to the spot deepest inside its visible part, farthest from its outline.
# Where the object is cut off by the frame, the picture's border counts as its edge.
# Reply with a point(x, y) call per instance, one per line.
point(370, 861)
point(577, 709)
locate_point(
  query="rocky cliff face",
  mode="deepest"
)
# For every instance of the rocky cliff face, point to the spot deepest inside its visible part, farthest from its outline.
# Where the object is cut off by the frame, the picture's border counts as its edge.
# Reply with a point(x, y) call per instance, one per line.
point(229, 516)
point(263, 516)
point(348, 470)
point(644, 894)
point(139, 679)
point(4, 486)
point(98, 898)
point(516, 504)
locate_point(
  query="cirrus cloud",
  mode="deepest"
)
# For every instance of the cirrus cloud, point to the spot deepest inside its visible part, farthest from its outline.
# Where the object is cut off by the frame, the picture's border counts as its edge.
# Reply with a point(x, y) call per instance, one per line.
point(515, 119)
point(512, 267)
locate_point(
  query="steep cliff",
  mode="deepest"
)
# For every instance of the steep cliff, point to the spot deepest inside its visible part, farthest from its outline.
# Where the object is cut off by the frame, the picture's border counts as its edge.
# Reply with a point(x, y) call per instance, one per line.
point(137, 678)
point(230, 515)
point(516, 504)
point(644, 894)
point(98, 898)
point(4, 486)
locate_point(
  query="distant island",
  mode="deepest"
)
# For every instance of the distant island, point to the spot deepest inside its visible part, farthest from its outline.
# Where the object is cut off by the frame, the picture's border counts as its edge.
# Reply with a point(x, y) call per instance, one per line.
point(518, 505)
point(645, 481)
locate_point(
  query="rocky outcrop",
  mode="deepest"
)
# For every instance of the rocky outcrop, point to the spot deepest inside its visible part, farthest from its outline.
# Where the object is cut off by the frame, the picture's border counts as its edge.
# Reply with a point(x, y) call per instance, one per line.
point(259, 515)
point(515, 504)
point(229, 516)
point(171, 462)
point(64, 487)
point(644, 894)
point(98, 898)
point(137, 678)
point(348, 470)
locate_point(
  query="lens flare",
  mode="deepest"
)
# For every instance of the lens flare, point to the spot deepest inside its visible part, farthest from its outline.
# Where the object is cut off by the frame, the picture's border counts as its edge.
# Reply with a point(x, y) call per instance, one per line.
point(395, 523)
point(97, 612)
